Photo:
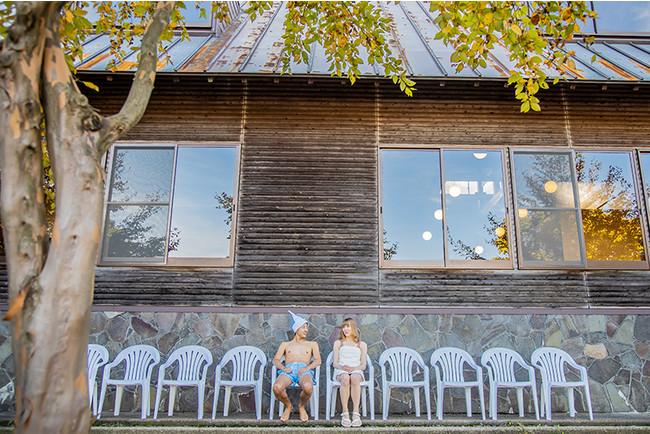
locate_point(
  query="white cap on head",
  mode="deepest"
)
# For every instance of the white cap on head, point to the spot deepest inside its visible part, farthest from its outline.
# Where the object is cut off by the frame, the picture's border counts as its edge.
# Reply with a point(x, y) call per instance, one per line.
point(296, 321)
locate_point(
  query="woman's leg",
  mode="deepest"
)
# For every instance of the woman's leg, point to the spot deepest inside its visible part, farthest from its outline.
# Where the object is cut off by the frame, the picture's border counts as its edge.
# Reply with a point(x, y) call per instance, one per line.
point(355, 391)
point(344, 391)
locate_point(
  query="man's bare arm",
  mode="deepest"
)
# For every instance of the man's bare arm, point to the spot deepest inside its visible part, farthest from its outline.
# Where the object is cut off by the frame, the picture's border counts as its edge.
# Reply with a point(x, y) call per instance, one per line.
point(316, 355)
point(277, 360)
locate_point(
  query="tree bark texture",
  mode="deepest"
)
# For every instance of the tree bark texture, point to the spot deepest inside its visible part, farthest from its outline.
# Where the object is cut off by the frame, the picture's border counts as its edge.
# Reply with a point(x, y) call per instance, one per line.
point(51, 280)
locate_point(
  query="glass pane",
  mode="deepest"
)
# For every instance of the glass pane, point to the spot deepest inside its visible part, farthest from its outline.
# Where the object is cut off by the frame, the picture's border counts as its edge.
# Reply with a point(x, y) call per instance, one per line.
point(412, 206)
point(476, 212)
point(136, 232)
point(543, 180)
point(549, 236)
point(610, 216)
point(202, 207)
point(142, 175)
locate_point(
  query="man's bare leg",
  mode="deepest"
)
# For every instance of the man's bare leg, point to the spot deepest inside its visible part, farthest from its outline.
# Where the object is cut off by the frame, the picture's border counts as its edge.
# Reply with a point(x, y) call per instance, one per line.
point(280, 392)
point(307, 384)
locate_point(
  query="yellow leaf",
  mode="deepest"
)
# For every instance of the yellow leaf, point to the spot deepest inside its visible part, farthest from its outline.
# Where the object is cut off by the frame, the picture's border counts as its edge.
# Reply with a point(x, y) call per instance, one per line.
point(515, 28)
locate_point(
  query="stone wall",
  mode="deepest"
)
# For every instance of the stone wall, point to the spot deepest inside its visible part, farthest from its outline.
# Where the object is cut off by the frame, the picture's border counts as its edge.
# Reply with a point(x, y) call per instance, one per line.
point(614, 348)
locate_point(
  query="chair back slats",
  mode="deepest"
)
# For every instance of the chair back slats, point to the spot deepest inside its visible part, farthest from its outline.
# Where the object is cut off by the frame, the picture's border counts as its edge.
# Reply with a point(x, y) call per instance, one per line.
point(244, 360)
point(451, 362)
point(551, 362)
point(191, 360)
point(138, 361)
point(401, 361)
point(501, 364)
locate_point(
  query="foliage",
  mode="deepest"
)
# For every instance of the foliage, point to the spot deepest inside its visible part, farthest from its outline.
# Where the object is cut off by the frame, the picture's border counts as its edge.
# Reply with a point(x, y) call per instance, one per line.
point(534, 34)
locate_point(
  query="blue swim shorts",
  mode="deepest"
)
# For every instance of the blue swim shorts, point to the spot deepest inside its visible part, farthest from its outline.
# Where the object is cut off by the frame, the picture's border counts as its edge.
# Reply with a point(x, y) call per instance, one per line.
point(295, 367)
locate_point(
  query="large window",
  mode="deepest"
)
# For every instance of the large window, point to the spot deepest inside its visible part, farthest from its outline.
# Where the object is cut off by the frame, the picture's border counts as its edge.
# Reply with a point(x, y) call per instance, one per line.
point(577, 210)
point(443, 208)
point(170, 204)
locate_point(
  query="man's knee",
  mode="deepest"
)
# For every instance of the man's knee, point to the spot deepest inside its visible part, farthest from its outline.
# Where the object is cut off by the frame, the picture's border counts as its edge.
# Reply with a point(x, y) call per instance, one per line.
point(278, 389)
point(308, 388)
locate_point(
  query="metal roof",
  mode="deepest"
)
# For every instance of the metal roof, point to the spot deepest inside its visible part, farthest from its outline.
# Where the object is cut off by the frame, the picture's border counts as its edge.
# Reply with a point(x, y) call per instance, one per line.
point(252, 48)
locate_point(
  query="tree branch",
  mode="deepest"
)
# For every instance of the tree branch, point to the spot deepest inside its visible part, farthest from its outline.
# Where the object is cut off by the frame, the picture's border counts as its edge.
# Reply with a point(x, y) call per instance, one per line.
point(136, 103)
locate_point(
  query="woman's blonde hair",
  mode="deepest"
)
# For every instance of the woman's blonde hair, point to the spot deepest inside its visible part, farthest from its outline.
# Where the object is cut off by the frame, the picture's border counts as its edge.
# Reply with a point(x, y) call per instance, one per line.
point(355, 330)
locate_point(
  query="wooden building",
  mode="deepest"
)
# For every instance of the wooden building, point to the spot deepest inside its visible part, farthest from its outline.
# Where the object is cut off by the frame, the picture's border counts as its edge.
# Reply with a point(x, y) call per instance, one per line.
point(448, 218)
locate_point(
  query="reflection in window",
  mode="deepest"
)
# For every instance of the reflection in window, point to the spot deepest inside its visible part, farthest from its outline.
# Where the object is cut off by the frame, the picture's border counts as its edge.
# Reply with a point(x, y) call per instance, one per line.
point(202, 209)
point(138, 203)
point(546, 209)
point(141, 195)
point(476, 214)
point(473, 214)
point(610, 216)
point(411, 199)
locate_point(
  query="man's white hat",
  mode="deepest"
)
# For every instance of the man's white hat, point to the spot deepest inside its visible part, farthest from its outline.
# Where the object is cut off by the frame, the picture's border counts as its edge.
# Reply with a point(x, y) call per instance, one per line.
point(296, 321)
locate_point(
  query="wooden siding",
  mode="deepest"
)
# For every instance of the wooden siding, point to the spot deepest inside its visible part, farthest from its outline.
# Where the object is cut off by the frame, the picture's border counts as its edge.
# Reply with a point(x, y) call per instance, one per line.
point(308, 231)
point(308, 197)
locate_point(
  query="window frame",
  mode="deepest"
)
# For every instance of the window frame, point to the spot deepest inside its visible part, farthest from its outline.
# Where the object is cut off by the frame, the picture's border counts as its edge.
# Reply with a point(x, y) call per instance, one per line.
point(587, 265)
point(222, 262)
point(445, 263)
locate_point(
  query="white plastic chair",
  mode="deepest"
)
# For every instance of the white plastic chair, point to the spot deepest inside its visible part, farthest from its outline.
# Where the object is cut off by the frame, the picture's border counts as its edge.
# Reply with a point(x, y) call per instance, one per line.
point(501, 365)
point(97, 357)
point(244, 360)
point(313, 401)
point(139, 361)
point(449, 364)
point(401, 361)
point(333, 386)
point(193, 362)
point(552, 362)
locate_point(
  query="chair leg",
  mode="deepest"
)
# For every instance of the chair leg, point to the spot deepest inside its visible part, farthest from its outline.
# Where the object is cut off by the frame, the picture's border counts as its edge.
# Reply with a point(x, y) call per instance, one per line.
point(440, 394)
point(427, 398)
point(416, 400)
point(385, 400)
point(364, 401)
point(258, 401)
point(572, 405)
point(172, 399)
point(493, 402)
point(201, 396)
point(215, 400)
point(520, 400)
point(226, 399)
point(271, 405)
point(315, 401)
point(328, 404)
point(102, 395)
point(481, 398)
point(371, 397)
point(547, 398)
point(588, 398)
point(157, 403)
point(118, 400)
point(533, 389)
point(468, 401)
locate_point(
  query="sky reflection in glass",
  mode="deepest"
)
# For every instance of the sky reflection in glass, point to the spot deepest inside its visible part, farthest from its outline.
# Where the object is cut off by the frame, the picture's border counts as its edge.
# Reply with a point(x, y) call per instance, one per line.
point(476, 213)
point(411, 196)
point(200, 225)
point(142, 175)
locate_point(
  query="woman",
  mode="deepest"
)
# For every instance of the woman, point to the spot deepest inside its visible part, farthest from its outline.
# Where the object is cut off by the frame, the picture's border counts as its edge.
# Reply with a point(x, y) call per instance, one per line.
point(349, 362)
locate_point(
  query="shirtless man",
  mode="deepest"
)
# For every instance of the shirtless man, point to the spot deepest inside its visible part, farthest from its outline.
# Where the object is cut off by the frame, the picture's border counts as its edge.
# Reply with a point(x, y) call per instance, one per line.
point(298, 368)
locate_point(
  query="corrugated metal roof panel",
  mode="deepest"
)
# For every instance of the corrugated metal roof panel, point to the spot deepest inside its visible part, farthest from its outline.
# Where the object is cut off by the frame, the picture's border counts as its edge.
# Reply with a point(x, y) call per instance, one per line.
point(255, 48)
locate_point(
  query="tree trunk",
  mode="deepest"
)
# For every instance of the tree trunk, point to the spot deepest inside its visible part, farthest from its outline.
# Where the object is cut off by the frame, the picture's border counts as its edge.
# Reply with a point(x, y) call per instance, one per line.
point(51, 285)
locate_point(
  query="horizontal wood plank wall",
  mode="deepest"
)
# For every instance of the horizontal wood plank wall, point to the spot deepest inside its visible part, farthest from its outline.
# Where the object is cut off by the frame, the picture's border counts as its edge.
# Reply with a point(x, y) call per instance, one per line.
point(308, 225)
point(175, 286)
point(460, 113)
point(614, 116)
point(447, 288)
point(307, 230)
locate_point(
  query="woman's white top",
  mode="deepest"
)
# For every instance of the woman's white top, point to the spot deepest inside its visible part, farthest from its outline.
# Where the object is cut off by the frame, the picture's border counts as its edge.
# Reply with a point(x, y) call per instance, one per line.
point(349, 356)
